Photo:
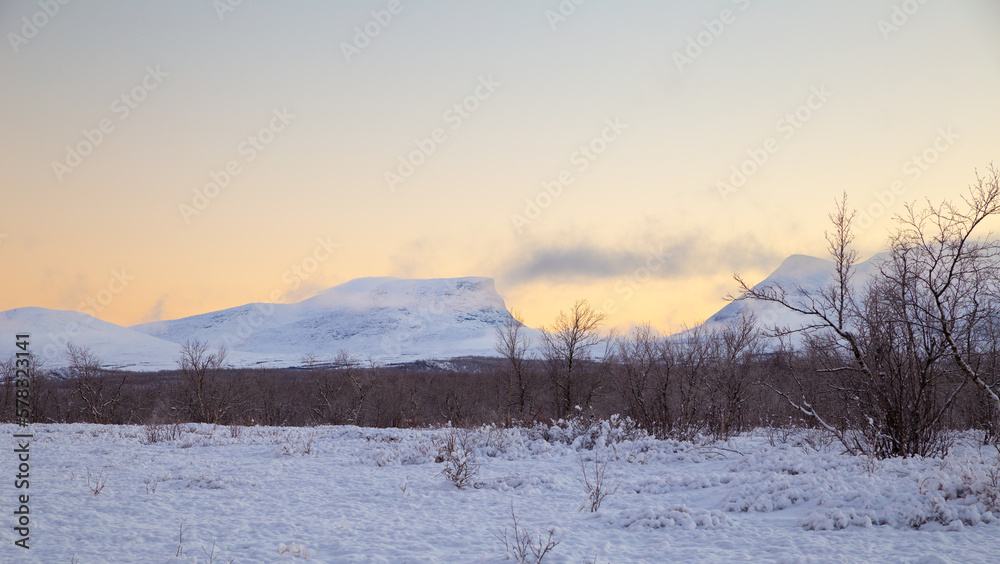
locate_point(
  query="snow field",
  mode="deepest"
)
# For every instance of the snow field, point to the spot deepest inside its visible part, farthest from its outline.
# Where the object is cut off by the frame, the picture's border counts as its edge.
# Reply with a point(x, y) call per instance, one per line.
point(348, 494)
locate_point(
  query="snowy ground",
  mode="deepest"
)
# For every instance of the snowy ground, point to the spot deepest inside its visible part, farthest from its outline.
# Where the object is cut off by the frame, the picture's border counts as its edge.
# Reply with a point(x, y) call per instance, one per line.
point(344, 494)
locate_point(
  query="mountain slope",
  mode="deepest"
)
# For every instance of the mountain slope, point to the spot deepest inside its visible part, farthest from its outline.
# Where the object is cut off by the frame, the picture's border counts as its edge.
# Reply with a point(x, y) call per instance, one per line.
point(385, 318)
point(51, 330)
point(807, 273)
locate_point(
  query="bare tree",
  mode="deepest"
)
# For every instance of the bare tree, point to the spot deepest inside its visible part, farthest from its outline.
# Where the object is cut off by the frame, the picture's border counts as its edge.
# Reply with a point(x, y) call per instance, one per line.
point(567, 348)
point(210, 394)
point(362, 382)
point(325, 409)
point(44, 402)
point(692, 353)
point(8, 378)
point(641, 377)
point(100, 390)
point(881, 350)
point(737, 349)
point(832, 308)
point(826, 314)
point(512, 345)
point(960, 274)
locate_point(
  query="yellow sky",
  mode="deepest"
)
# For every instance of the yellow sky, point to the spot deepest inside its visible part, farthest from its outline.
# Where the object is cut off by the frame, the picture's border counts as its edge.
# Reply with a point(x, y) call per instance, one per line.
point(272, 151)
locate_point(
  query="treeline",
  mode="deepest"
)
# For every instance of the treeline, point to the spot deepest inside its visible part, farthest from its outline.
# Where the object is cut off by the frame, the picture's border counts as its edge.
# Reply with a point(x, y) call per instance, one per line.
point(705, 383)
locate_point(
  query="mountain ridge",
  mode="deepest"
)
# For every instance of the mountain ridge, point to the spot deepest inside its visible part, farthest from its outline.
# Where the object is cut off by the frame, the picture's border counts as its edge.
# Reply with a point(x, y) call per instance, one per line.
point(806, 272)
point(387, 319)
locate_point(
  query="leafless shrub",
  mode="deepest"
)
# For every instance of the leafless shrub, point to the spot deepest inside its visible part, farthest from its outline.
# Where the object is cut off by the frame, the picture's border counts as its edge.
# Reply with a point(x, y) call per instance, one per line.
point(297, 444)
point(596, 480)
point(523, 546)
point(96, 483)
point(180, 539)
point(496, 440)
point(154, 433)
point(151, 482)
point(779, 435)
point(210, 555)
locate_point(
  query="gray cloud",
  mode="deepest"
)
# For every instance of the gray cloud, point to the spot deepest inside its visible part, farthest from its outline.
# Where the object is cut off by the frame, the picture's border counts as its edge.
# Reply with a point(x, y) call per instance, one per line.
point(585, 260)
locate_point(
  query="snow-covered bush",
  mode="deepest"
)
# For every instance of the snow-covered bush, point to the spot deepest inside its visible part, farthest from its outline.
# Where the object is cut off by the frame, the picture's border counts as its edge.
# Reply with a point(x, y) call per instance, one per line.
point(296, 444)
point(679, 516)
point(586, 432)
point(296, 549)
point(458, 452)
point(495, 440)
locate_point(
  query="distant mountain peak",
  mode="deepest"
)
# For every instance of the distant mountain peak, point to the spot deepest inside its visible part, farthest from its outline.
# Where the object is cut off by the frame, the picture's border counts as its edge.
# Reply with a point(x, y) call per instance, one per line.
point(808, 273)
point(386, 318)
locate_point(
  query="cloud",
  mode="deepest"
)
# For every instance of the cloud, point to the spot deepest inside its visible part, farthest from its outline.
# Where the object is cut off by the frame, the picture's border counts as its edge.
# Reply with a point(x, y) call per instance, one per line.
point(665, 259)
point(155, 313)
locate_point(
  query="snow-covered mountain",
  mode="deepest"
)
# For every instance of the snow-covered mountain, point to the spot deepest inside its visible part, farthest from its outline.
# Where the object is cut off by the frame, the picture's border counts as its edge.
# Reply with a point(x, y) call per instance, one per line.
point(808, 273)
point(386, 319)
point(51, 330)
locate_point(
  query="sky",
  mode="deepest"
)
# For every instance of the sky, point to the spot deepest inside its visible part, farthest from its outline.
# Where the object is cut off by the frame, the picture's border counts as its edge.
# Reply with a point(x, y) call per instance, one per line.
point(164, 159)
